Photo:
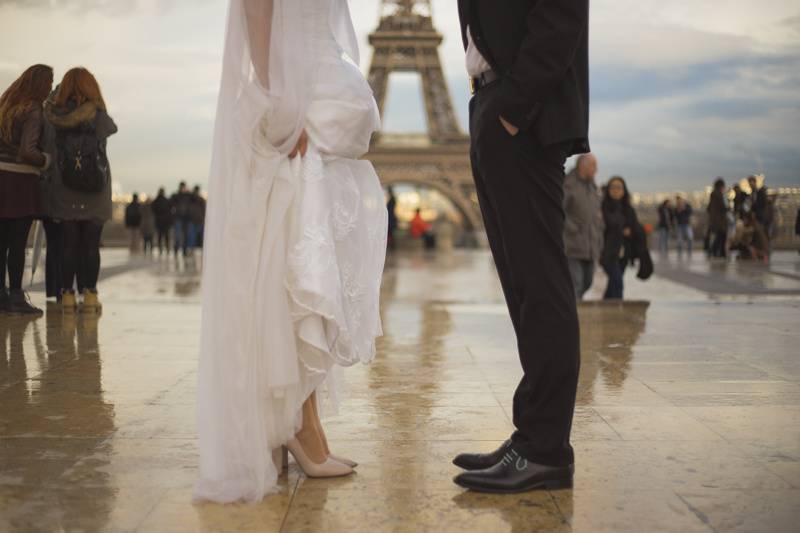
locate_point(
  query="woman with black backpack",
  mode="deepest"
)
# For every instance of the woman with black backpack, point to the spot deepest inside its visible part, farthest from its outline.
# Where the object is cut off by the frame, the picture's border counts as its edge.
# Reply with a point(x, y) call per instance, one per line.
point(81, 196)
point(21, 163)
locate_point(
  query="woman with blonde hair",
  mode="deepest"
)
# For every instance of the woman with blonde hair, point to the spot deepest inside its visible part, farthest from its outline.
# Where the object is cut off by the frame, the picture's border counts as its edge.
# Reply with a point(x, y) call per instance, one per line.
point(21, 162)
point(81, 190)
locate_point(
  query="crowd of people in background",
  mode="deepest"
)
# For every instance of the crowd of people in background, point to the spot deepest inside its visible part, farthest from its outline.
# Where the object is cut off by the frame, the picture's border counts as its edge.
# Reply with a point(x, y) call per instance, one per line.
point(736, 222)
point(179, 219)
point(54, 168)
point(602, 227)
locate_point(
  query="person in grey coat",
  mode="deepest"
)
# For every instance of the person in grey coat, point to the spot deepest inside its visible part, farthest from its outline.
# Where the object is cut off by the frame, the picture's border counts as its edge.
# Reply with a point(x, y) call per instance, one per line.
point(77, 107)
point(583, 227)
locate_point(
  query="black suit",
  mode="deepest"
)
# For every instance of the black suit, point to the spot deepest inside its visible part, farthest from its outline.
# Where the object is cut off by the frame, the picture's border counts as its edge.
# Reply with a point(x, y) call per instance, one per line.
point(539, 50)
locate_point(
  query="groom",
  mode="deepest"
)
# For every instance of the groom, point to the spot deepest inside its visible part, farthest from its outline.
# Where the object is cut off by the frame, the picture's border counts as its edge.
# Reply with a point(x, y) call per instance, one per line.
point(528, 61)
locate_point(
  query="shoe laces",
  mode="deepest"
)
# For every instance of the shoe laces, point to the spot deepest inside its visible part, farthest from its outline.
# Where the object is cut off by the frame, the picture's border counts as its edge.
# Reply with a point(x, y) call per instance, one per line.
point(512, 457)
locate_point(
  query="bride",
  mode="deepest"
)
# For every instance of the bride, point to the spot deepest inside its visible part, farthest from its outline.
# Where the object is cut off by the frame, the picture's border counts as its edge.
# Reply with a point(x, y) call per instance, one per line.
point(295, 245)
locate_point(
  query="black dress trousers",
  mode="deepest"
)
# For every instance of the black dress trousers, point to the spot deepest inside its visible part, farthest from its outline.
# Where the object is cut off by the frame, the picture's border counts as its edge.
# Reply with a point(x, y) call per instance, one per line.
point(520, 190)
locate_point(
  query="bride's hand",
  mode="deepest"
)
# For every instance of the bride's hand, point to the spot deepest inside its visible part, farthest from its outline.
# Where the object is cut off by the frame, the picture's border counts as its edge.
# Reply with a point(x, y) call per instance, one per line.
point(301, 147)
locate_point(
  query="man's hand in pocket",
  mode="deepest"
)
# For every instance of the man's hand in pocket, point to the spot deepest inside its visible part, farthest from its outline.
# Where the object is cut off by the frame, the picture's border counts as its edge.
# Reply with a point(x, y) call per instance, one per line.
point(510, 128)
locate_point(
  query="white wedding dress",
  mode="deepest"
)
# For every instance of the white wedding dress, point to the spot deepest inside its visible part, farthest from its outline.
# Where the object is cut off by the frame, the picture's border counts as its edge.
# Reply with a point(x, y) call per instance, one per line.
point(294, 247)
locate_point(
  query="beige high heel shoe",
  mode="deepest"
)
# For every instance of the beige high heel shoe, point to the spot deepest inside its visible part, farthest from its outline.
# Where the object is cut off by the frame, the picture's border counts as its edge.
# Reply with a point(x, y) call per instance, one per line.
point(345, 461)
point(330, 468)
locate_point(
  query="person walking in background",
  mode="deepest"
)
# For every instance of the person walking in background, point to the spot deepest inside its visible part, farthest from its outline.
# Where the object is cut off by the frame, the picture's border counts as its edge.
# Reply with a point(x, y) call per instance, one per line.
point(133, 221)
point(148, 227)
point(82, 188)
point(718, 219)
point(391, 208)
point(739, 201)
point(197, 218)
point(769, 220)
point(666, 222)
point(620, 224)
point(683, 221)
point(163, 219)
point(420, 228)
point(21, 162)
point(181, 218)
point(583, 225)
point(757, 199)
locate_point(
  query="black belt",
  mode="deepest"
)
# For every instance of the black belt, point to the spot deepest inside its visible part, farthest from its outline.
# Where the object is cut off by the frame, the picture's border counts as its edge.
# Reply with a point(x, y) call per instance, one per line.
point(479, 82)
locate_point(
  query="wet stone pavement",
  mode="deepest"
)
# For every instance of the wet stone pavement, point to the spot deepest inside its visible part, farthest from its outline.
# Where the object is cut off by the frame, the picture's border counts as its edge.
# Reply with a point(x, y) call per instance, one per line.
point(688, 415)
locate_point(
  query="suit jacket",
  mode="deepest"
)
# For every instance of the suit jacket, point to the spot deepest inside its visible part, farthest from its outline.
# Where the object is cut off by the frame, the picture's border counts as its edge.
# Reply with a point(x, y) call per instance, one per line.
point(540, 50)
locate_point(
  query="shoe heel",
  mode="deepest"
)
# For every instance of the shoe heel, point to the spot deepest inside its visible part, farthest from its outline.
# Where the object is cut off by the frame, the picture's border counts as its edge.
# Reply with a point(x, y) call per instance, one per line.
point(280, 458)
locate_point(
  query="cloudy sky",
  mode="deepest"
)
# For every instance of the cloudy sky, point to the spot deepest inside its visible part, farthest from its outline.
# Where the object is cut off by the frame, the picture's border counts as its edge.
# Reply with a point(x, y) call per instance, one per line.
point(682, 91)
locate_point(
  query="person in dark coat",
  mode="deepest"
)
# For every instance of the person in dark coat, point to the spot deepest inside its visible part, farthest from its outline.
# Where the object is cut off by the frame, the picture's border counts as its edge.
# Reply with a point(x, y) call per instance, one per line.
point(197, 219)
point(758, 199)
point(391, 209)
point(163, 218)
point(739, 201)
point(77, 111)
point(666, 223)
point(148, 227)
point(180, 204)
point(529, 66)
point(718, 219)
point(620, 235)
point(683, 221)
point(22, 160)
point(133, 221)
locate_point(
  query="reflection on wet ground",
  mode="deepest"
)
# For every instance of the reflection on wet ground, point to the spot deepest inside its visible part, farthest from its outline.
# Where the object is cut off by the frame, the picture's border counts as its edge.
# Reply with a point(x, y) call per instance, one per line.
point(780, 277)
point(688, 415)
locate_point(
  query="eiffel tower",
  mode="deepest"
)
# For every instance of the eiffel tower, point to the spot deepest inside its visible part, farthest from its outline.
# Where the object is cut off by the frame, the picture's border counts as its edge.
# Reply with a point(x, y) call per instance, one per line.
point(406, 41)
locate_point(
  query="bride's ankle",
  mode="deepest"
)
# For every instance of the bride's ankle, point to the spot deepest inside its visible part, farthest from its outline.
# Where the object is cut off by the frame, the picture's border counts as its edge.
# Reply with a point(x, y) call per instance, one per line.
point(312, 446)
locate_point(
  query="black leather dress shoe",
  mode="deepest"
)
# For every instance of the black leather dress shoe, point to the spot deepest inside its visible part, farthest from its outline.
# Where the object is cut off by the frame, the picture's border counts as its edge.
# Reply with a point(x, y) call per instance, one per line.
point(514, 473)
point(480, 461)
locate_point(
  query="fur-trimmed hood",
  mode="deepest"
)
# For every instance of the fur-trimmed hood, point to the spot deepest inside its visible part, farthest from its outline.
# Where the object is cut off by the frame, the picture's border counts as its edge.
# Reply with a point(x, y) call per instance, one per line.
point(70, 117)
point(86, 114)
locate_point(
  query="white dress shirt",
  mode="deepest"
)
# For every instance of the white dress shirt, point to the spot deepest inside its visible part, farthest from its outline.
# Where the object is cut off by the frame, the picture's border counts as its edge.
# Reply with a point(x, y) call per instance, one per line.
point(476, 63)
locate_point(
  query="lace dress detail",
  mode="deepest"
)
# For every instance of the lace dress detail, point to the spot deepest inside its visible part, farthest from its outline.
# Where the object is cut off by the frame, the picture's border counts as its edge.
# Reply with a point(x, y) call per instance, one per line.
point(338, 245)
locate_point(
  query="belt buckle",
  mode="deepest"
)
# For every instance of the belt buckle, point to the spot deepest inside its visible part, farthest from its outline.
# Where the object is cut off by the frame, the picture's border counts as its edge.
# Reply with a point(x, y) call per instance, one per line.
point(472, 87)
